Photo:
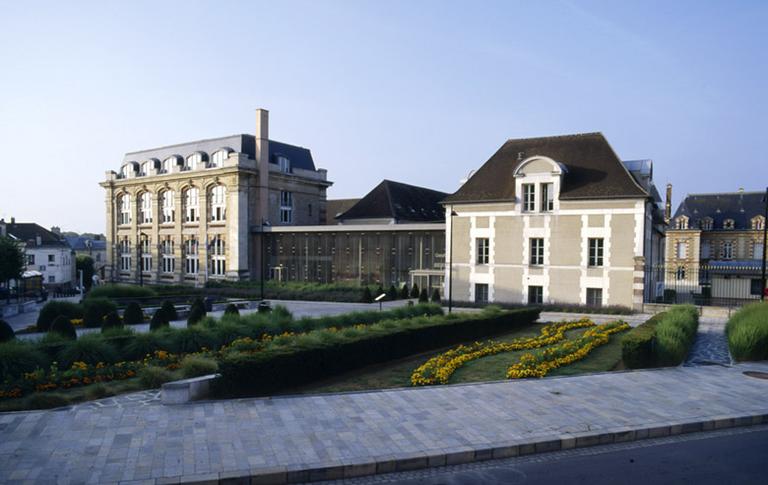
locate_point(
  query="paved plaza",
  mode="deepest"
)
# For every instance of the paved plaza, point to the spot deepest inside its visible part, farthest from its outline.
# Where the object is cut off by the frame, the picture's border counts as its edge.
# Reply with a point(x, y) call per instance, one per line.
point(711, 345)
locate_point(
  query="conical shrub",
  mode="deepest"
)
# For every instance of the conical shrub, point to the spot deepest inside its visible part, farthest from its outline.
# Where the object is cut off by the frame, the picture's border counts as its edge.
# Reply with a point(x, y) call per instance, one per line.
point(133, 314)
point(62, 326)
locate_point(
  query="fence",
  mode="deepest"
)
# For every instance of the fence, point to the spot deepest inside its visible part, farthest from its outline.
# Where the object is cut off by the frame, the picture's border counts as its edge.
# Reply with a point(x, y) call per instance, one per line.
point(722, 283)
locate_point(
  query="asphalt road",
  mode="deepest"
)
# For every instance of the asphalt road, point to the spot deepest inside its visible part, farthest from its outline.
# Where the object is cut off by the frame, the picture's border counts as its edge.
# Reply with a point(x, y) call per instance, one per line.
point(737, 456)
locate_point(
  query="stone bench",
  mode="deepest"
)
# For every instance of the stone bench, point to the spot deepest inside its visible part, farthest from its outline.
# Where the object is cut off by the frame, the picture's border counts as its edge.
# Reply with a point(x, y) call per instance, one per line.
point(186, 390)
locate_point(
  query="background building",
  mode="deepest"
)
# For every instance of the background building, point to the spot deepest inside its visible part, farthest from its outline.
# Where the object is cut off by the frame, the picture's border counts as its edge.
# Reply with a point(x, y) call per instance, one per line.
point(192, 212)
point(555, 220)
point(715, 248)
point(93, 247)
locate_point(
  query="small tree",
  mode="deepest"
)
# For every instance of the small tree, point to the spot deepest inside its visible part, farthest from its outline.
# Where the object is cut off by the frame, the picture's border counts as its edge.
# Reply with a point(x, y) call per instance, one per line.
point(170, 310)
point(423, 296)
point(85, 264)
point(133, 314)
point(367, 297)
point(112, 320)
point(404, 291)
point(415, 291)
point(6, 332)
point(196, 312)
point(63, 327)
point(392, 293)
point(11, 261)
point(231, 310)
point(435, 296)
point(159, 320)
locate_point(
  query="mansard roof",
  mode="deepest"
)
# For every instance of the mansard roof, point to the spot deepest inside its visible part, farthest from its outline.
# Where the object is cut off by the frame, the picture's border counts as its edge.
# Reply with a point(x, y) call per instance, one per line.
point(739, 206)
point(398, 201)
point(592, 170)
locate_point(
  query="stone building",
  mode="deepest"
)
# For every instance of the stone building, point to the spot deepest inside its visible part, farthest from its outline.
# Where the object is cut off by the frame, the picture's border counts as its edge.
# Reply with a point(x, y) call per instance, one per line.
point(554, 220)
point(715, 247)
point(183, 214)
point(393, 235)
point(93, 247)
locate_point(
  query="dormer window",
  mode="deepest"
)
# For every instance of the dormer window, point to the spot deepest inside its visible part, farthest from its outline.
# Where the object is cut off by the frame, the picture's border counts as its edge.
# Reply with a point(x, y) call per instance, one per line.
point(547, 197)
point(681, 222)
point(706, 224)
point(529, 197)
point(217, 160)
point(168, 164)
point(729, 224)
point(193, 161)
point(758, 223)
point(144, 171)
point(284, 163)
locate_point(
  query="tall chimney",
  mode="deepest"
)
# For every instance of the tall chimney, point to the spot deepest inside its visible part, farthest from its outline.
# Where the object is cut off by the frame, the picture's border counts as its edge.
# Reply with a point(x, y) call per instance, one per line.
point(668, 206)
point(262, 162)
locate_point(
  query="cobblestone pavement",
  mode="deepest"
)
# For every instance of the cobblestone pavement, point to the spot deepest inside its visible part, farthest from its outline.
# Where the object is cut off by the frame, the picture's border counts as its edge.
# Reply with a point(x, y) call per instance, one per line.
point(137, 438)
point(711, 344)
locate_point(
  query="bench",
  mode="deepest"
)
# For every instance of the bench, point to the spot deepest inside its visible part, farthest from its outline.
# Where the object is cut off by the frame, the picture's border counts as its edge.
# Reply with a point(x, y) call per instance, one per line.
point(186, 390)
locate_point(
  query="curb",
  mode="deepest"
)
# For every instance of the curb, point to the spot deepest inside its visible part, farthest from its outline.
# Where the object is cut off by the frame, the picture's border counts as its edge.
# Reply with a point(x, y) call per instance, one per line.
point(414, 461)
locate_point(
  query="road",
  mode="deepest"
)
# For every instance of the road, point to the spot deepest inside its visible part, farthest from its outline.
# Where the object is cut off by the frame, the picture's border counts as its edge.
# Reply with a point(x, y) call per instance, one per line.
point(735, 456)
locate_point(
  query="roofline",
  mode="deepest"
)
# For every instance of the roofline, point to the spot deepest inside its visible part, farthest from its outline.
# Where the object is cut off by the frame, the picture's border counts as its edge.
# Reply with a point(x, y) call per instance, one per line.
point(417, 226)
point(493, 201)
point(567, 135)
point(183, 144)
point(624, 167)
point(757, 192)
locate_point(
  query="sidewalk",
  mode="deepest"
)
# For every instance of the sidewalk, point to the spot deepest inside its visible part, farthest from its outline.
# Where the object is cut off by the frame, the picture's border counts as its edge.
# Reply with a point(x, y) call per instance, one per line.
point(342, 435)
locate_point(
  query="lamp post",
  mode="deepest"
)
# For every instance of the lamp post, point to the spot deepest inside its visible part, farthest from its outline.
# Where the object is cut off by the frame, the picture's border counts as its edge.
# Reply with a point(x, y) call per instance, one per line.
point(450, 265)
point(141, 258)
point(765, 239)
point(263, 256)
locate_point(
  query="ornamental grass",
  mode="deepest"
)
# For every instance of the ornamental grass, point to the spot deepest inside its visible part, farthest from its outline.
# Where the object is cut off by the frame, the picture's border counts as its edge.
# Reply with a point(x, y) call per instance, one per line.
point(747, 332)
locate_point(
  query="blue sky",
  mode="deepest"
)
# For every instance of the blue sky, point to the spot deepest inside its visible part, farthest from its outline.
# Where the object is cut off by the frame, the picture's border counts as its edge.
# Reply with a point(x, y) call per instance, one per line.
point(419, 92)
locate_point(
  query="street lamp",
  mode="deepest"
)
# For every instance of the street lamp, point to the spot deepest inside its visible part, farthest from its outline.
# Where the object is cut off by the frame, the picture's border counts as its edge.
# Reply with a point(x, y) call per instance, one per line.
point(450, 265)
point(263, 257)
point(141, 257)
point(765, 240)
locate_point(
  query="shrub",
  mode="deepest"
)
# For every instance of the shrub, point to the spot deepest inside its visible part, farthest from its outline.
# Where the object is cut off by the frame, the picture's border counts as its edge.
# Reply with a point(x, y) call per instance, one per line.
point(638, 346)
point(94, 311)
point(53, 309)
point(170, 311)
point(45, 400)
point(231, 310)
point(193, 339)
point(121, 291)
point(392, 293)
point(415, 291)
point(747, 332)
point(404, 292)
point(90, 349)
point(196, 311)
point(133, 314)
point(111, 321)
point(18, 357)
point(367, 297)
point(675, 334)
point(330, 353)
point(153, 377)
point(379, 292)
point(143, 344)
point(436, 296)
point(62, 326)
point(6, 332)
point(195, 366)
point(159, 320)
point(423, 296)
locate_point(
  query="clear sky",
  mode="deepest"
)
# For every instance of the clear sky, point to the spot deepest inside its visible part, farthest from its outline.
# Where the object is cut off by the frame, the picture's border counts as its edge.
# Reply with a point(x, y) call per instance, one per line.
point(416, 91)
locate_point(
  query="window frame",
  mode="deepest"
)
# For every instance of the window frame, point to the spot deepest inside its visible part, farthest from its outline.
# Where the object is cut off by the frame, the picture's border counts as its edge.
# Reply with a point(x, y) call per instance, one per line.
point(217, 197)
point(482, 290)
point(547, 197)
point(536, 251)
point(529, 198)
point(535, 294)
point(596, 253)
point(286, 207)
point(591, 293)
point(483, 251)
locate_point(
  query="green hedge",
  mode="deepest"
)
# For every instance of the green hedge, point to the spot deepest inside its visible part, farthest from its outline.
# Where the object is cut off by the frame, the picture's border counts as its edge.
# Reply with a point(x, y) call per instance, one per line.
point(54, 309)
point(121, 291)
point(324, 353)
point(675, 334)
point(638, 346)
point(747, 332)
point(551, 307)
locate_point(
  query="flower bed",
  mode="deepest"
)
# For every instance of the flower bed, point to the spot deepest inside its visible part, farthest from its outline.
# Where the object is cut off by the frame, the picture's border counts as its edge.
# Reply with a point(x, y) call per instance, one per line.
point(439, 369)
point(539, 364)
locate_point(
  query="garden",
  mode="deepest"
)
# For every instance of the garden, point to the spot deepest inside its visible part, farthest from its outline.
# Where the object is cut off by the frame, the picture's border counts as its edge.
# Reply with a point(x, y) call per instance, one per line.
point(747, 333)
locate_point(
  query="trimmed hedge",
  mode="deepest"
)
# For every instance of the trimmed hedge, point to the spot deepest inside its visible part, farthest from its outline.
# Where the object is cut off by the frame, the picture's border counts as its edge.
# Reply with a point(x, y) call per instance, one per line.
point(62, 326)
point(747, 332)
point(54, 309)
point(6, 332)
point(169, 310)
point(277, 367)
point(121, 291)
point(95, 309)
point(133, 314)
point(675, 334)
point(196, 311)
point(638, 346)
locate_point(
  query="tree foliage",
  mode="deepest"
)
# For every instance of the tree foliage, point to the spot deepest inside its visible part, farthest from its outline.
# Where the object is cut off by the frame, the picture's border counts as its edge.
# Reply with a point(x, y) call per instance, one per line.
point(11, 260)
point(85, 264)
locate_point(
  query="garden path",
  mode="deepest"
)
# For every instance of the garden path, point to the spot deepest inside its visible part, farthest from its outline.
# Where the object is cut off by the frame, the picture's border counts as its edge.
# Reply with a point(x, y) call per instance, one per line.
point(711, 344)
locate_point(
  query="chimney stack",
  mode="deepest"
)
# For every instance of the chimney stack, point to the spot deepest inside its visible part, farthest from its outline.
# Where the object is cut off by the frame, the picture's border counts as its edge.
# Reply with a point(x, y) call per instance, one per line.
point(668, 206)
point(262, 162)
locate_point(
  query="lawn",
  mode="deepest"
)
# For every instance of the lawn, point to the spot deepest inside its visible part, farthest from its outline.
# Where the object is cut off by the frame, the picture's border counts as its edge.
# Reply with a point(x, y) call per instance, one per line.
point(492, 368)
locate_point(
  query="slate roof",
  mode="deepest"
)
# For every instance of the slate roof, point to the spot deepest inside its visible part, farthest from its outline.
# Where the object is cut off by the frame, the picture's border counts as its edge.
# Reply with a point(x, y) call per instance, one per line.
point(593, 170)
point(79, 243)
point(27, 232)
point(300, 157)
point(337, 207)
point(739, 206)
point(398, 201)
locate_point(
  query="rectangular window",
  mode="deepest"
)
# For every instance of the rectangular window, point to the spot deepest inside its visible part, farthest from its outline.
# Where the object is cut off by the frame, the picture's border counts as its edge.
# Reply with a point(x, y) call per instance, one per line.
point(547, 197)
point(727, 252)
point(595, 251)
point(169, 260)
point(681, 250)
point(286, 207)
point(757, 251)
point(30, 259)
point(146, 255)
point(482, 250)
point(537, 251)
point(535, 294)
point(51, 279)
point(51, 258)
point(529, 197)
point(218, 257)
point(191, 261)
point(481, 293)
point(756, 287)
point(594, 297)
point(706, 250)
point(125, 254)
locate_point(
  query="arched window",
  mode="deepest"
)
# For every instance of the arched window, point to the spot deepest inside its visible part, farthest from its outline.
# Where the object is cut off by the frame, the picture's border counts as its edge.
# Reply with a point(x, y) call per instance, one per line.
point(217, 160)
point(168, 206)
point(218, 203)
point(125, 254)
point(145, 208)
point(706, 224)
point(193, 162)
point(168, 164)
point(191, 204)
point(758, 223)
point(284, 163)
point(124, 205)
point(218, 256)
point(191, 261)
point(729, 224)
point(144, 170)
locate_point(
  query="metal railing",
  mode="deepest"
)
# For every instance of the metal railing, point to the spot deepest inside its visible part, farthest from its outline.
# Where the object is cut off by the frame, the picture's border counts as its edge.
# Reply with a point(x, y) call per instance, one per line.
point(728, 283)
